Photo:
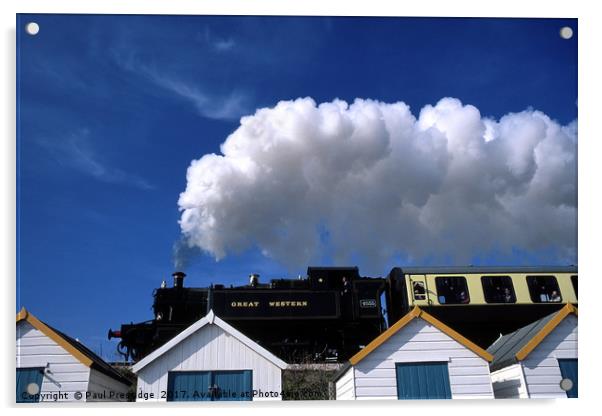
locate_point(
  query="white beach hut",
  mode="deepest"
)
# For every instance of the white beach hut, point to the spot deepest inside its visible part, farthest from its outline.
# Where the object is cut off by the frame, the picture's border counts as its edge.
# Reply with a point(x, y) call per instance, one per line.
point(538, 360)
point(52, 366)
point(209, 361)
point(418, 357)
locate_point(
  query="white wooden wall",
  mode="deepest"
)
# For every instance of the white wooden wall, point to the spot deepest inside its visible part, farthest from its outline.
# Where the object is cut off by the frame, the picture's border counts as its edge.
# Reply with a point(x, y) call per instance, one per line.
point(509, 383)
point(210, 348)
point(65, 373)
point(375, 376)
point(345, 386)
point(101, 383)
point(542, 373)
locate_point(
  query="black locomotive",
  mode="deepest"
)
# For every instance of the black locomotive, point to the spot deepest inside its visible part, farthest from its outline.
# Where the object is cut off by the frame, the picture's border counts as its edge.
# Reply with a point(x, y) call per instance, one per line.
point(327, 316)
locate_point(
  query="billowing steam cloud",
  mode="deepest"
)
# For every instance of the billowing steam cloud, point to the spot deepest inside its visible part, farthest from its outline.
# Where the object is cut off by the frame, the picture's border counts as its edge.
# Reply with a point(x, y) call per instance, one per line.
point(368, 180)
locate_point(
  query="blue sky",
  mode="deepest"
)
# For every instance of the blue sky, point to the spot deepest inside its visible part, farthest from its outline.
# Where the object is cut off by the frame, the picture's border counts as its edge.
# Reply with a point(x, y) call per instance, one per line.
point(112, 110)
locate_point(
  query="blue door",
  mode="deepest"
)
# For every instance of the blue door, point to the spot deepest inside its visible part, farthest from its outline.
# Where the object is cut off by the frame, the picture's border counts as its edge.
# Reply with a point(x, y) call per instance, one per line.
point(25, 378)
point(188, 386)
point(568, 369)
point(209, 385)
point(428, 380)
point(233, 385)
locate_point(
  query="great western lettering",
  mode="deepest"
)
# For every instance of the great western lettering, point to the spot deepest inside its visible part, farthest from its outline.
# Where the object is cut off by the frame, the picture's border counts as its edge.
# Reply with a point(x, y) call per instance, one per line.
point(271, 304)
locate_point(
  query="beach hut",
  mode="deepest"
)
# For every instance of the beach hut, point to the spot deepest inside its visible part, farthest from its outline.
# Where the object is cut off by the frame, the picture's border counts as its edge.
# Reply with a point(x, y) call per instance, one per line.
point(538, 360)
point(209, 361)
point(418, 357)
point(52, 366)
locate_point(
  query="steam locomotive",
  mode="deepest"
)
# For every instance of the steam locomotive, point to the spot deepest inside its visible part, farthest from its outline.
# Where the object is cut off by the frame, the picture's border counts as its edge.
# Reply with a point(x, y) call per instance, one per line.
point(324, 317)
point(333, 312)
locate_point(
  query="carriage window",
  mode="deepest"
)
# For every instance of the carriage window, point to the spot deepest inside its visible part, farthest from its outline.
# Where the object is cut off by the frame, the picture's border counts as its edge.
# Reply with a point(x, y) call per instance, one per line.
point(498, 289)
point(544, 289)
point(419, 290)
point(452, 290)
point(574, 281)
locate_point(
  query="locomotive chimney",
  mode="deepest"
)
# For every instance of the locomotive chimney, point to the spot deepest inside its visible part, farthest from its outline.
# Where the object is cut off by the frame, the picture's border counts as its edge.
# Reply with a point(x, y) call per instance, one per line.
point(254, 279)
point(178, 279)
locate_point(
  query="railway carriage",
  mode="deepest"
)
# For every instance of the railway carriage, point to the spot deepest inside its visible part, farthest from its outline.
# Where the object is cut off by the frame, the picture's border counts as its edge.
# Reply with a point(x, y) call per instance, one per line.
point(481, 302)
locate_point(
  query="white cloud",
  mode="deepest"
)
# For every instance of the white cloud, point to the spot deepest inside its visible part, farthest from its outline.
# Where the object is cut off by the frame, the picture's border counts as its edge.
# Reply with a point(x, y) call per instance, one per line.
point(382, 184)
point(223, 44)
point(210, 104)
point(76, 152)
point(216, 42)
point(227, 107)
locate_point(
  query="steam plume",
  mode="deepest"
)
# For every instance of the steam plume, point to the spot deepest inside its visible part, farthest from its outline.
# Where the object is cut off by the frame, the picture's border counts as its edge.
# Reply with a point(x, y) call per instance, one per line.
point(370, 180)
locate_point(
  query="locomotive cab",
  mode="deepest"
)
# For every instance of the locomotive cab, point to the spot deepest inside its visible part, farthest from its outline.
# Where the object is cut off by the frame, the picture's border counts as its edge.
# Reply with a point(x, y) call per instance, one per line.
point(331, 278)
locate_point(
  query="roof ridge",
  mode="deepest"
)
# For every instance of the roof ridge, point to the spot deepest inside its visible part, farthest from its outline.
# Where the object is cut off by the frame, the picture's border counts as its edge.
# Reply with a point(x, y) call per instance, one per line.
point(518, 344)
point(209, 319)
point(417, 312)
point(555, 320)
